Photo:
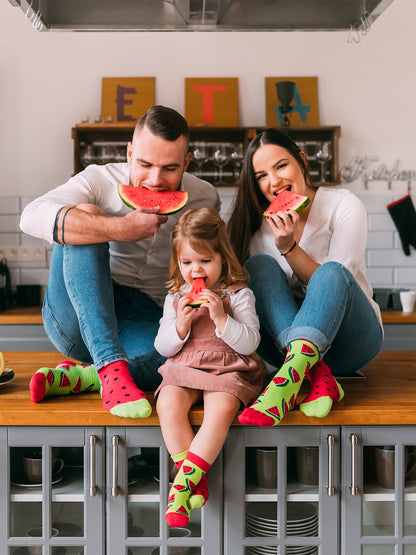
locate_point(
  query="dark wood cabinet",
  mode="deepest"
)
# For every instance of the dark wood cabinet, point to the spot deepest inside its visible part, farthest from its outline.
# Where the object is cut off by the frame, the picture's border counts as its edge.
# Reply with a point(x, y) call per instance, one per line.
point(216, 151)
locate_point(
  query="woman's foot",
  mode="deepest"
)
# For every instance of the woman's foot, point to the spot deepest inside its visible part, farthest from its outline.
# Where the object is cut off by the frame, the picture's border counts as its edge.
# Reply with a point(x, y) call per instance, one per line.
point(279, 397)
point(325, 390)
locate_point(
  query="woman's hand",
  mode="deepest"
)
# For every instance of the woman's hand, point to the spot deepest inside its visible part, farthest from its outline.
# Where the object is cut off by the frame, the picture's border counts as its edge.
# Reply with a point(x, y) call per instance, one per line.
point(183, 317)
point(215, 307)
point(284, 226)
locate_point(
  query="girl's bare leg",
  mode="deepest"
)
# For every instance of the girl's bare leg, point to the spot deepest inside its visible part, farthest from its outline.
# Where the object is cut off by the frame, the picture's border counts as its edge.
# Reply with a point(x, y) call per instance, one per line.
point(220, 410)
point(173, 406)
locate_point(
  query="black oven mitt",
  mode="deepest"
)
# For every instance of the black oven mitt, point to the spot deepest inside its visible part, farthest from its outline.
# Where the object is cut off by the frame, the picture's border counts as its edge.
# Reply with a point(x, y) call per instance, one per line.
point(403, 214)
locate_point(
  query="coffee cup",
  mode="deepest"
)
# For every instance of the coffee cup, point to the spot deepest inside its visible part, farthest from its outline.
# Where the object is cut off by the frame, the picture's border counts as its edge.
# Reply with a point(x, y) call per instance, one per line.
point(408, 300)
point(179, 533)
point(36, 532)
point(266, 467)
point(32, 467)
point(307, 465)
point(385, 465)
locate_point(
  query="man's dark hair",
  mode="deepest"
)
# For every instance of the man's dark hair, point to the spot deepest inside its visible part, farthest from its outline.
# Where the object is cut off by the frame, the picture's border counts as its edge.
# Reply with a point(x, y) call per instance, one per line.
point(164, 122)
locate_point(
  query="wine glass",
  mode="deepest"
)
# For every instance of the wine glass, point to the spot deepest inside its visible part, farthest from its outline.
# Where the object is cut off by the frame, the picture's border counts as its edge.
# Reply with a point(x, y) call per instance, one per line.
point(236, 158)
point(323, 155)
point(220, 159)
point(199, 155)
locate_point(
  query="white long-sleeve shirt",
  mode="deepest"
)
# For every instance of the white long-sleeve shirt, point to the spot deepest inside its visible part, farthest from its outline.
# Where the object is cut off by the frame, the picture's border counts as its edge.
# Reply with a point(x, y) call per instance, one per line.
point(336, 230)
point(241, 331)
point(142, 264)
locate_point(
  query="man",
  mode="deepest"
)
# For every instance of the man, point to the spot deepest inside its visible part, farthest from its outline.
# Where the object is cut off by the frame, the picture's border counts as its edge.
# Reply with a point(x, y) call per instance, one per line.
point(109, 267)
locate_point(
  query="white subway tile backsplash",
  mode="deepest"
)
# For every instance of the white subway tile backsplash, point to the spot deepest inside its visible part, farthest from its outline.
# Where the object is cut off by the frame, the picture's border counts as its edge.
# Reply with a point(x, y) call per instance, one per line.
point(9, 205)
point(392, 258)
point(377, 204)
point(380, 277)
point(380, 222)
point(380, 240)
point(405, 277)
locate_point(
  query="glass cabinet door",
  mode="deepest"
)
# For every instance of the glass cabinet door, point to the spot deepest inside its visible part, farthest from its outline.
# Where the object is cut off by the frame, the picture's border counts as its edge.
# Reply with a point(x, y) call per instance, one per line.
point(379, 490)
point(281, 491)
point(139, 476)
point(53, 497)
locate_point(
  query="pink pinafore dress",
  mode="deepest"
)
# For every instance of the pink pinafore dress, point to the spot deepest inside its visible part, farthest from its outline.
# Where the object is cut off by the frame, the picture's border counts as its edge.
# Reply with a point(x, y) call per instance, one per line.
point(206, 362)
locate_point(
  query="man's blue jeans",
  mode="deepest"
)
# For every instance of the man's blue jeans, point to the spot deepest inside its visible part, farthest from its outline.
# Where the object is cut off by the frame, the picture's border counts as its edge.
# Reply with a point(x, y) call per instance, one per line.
point(335, 315)
point(93, 320)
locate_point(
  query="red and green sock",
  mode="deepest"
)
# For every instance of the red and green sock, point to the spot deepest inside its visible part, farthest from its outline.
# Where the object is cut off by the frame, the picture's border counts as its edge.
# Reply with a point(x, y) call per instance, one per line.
point(279, 397)
point(120, 394)
point(68, 377)
point(186, 480)
point(200, 494)
point(325, 390)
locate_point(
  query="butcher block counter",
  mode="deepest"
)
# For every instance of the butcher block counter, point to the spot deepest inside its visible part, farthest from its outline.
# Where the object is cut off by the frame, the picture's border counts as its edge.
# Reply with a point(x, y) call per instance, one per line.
point(386, 396)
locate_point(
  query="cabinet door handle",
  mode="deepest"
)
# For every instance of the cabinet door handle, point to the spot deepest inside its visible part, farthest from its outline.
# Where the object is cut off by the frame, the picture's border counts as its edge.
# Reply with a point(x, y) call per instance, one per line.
point(114, 442)
point(93, 485)
point(330, 487)
point(354, 443)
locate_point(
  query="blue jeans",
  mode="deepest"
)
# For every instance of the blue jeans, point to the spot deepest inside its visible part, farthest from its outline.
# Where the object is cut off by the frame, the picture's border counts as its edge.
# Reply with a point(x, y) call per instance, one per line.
point(335, 315)
point(91, 319)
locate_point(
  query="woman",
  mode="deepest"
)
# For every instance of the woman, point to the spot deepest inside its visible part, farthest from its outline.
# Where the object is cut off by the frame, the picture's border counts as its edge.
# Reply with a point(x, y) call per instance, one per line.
point(307, 272)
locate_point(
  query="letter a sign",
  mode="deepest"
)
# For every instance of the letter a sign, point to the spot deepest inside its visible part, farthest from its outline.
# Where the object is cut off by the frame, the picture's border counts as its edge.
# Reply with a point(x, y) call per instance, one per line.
point(211, 101)
point(127, 98)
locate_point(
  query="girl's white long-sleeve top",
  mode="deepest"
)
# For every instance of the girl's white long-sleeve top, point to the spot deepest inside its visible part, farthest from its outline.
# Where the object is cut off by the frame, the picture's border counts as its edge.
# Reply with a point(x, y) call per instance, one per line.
point(241, 331)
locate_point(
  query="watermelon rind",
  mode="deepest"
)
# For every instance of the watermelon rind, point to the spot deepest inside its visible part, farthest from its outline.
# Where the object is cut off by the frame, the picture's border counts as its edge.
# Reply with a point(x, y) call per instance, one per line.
point(2, 363)
point(286, 200)
point(141, 197)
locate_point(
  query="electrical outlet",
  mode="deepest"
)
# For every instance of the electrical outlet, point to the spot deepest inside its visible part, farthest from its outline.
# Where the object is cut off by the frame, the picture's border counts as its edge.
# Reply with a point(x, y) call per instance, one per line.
point(22, 254)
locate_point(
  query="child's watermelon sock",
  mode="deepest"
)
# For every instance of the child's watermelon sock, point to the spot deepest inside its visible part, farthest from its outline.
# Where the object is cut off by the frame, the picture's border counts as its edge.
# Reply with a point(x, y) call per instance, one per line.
point(325, 390)
point(200, 494)
point(279, 397)
point(68, 377)
point(120, 394)
point(188, 477)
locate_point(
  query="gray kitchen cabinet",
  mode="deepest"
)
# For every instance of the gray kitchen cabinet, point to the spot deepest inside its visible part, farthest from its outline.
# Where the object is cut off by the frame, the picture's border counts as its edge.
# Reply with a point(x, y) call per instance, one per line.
point(298, 511)
point(51, 494)
point(138, 473)
point(379, 490)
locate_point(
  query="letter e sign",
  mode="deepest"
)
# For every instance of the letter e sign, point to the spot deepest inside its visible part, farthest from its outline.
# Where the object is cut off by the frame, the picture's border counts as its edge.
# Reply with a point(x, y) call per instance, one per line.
point(127, 98)
point(211, 101)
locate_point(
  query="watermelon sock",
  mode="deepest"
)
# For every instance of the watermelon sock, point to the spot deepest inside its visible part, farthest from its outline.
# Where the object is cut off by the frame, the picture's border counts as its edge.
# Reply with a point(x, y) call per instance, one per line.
point(279, 397)
point(200, 494)
point(325, 390)
point(120, 394)
point(68, 377)
point(188, 477)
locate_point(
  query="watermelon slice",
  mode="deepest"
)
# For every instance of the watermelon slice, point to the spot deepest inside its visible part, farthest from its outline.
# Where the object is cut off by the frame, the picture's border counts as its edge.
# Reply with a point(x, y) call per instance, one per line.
point(141, 197)
point(2, 363)
point(285, 201)
point(197, 287)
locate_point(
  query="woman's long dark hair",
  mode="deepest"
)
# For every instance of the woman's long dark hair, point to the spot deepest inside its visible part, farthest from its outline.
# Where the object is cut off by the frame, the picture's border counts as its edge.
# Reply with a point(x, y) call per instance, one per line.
point(250, 203)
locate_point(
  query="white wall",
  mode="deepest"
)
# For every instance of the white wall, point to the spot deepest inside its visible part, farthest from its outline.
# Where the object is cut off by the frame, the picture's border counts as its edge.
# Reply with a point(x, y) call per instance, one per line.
point(49, 80)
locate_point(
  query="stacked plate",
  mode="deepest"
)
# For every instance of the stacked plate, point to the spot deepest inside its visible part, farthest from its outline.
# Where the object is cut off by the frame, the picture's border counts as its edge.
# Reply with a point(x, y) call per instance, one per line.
point(302, 520)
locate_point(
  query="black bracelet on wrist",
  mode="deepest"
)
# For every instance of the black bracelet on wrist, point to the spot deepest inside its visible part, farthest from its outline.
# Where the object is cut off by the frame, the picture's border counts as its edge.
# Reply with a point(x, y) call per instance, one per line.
point(290, 250)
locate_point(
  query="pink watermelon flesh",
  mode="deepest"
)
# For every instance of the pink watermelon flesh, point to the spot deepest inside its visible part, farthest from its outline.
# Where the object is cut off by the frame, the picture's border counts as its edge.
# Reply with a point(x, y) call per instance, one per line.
point(285, 201)
point(140, 197)
point(197, 287)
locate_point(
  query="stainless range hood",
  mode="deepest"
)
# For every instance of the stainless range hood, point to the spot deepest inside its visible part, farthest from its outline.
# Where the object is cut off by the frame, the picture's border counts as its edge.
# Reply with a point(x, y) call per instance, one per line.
point(201, 15)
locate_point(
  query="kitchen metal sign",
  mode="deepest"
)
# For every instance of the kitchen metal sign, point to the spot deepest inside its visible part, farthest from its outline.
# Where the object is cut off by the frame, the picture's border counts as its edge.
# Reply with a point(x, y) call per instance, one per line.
point(359, 168)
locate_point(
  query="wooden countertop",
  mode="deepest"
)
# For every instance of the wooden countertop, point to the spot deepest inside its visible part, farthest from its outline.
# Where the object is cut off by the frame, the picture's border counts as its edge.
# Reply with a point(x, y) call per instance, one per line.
point(32, 315)
point(387, 396)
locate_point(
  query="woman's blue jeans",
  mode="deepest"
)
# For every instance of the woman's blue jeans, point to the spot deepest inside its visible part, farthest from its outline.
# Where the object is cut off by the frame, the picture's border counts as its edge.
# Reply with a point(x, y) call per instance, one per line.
point(335, 315)
point(91, 319)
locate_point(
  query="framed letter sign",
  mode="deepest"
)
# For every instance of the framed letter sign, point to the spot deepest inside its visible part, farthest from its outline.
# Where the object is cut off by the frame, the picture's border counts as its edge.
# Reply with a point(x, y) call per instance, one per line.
point(211, 101)
point(300, 96)
point(127, 98)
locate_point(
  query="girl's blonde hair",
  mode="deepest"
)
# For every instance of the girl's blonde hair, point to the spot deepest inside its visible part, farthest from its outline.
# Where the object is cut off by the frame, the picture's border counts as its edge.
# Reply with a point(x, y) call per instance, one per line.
point(203, 230)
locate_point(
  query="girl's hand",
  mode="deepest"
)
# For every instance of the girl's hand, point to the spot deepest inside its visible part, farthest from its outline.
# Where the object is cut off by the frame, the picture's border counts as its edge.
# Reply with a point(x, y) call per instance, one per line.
point(183, 317)
point(284, 227)
point(215, 308)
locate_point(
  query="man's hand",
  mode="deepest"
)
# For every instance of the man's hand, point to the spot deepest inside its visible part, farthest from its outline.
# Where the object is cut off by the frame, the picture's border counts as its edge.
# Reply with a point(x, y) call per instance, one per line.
point(141, 223)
